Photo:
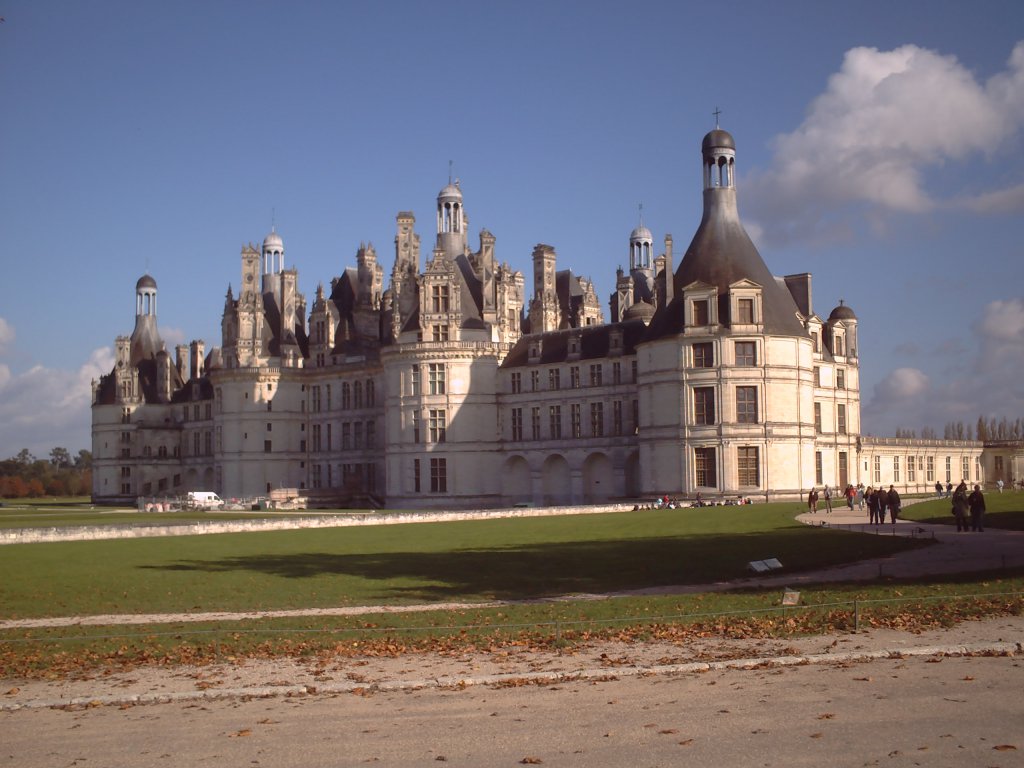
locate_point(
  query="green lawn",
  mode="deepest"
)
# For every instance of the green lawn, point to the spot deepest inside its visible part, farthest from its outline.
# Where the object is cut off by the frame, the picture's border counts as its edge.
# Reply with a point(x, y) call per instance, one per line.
point(1004, 510)
point(468, 561)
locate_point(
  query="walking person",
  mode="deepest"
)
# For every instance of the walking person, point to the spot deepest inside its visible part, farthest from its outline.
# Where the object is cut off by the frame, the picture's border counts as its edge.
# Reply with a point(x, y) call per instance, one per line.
point(872, 497)
point(860, 496)
point(894, 504)
point(938, 489)
point(960, 508)
point(812, 501)
point(883, 502)
point(828, 499)
point(976, 503)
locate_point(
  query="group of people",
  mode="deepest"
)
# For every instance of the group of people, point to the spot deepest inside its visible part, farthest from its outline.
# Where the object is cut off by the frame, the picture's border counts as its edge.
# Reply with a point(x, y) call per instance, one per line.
point(878, 501)
point(969, 509)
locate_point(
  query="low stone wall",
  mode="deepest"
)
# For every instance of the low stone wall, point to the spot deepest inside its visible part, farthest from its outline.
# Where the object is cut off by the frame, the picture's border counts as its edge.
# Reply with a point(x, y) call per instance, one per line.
point(95, 532)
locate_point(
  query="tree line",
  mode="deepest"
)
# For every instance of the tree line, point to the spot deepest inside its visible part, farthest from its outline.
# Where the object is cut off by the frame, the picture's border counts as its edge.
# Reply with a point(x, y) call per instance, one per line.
point(990, 429)
point(24, 476)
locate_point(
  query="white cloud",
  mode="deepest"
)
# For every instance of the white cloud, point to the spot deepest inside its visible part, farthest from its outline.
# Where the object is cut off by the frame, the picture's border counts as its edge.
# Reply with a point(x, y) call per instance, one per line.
point(885, 118)
point(902, 384)
point(6, 335)
point(42, 408)
point(1004, 321)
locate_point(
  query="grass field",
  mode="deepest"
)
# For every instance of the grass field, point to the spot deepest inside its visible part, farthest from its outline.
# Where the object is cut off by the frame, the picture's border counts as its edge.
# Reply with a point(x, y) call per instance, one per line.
point(468, 561)
point(1004, 510)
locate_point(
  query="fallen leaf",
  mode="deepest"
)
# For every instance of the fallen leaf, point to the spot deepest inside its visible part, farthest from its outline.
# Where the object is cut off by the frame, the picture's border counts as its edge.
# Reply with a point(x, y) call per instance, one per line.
point(1004, 747)
point(531, 761)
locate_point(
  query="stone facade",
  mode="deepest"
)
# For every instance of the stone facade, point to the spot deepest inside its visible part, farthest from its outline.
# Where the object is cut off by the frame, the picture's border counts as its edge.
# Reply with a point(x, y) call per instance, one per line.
point(447, 387)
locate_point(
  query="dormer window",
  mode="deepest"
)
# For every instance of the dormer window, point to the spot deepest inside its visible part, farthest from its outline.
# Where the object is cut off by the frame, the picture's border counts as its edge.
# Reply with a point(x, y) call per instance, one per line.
point(701, 315)
point(745, 311)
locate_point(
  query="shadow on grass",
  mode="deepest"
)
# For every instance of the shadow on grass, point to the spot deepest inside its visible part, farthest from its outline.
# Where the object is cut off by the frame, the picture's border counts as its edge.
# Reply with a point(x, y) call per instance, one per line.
point(541, 570)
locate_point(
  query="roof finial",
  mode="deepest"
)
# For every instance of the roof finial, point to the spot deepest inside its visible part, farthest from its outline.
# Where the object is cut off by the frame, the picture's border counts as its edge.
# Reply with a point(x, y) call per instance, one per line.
point(716, 113)
point(450, 164)
point(641, 206)
point(273, 219)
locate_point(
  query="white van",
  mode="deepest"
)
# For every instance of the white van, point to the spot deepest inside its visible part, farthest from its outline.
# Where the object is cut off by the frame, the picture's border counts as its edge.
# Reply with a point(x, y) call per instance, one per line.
point(204, 500)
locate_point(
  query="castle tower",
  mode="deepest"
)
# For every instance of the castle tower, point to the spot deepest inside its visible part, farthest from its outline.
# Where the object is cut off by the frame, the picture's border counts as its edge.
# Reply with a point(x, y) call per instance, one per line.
point(544, 312)
point(451, 221)
point(145, 339)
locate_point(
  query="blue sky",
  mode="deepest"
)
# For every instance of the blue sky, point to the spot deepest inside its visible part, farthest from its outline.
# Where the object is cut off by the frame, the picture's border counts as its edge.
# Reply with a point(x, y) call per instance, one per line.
point(879, 147)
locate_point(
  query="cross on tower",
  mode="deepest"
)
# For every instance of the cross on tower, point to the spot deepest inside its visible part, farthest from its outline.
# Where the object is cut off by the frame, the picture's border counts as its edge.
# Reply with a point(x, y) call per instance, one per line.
point(716, 113)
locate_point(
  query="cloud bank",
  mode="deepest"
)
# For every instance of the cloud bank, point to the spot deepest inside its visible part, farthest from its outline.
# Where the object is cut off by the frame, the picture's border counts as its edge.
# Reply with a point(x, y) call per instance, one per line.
point(885, 119)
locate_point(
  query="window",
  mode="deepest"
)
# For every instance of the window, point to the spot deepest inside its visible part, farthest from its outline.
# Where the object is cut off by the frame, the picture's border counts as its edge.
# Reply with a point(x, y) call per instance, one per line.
point(371, 433)
point(930, 471)
point(704, 467)
point(844, 473)
point(949, 469)
point(838, 345)
point(840, 378)
point(636, 417)
point(554, 379)
point(371, 394)
point(911, 473)
point(817, 418)
point(704, 405)
point(315, 400)
point(440, 333)
point(574, 377)
point(745, 311)
point(841, 419)
point(617, 417)
point(633, 366)
point(819, 473)
point(346, 391)
point(895, 469)
point(267, 447)
point(596, 373)
point(346, 436)
point(517, 423)
point(357, 436)
point(517, 382)
point(816, 341)
point(878, 469)
point(436, 375)
point(747, 465)
point(597, 419)
point(746, 353)
point(357, 395)
point(746, 405)
point(555, 422)
point(439, 298)
point(414, 383)
point(704, 355)
point(438, 425)
point(316, 438)
point(415, 426)
point(438, 475)
point(535, 423)
point(574, 418)
point(700, 313)
point(616, 373)
point(965, 465)
point(416, 475)
point(534, 381)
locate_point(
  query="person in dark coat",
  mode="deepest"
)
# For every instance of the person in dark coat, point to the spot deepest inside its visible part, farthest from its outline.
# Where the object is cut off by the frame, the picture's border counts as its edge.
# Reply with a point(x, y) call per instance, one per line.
point(894, 504)
point(883, 502)
point(960, 507)
point(871, 495)
point(976, 503)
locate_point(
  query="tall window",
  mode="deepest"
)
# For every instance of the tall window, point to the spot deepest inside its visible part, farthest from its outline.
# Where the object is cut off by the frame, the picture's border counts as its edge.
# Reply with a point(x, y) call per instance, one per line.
point(911, 470)
point(517, 382)
point(597, 419)
point(844, 473)
point(930, 471)
point(436, 378)
point(534, 381)
point(819, 470)
point(438, 475)
point(438, 425)
point(949, 469)
point(371, 395)
point(555, 421)
point(704, 355)
point(357, 436)
point(371, 433)
point(616, 373)
point(414, 383)
point(617, 417)
point(965, 466)
point(746, 405)
point(554, 379)
point(895, 469)
point(878, 469)
point(574, 377)
point(747, 465)
point(315, 396)
point(415, 426)
point(357, 394)
point(704, 405)
point(346, 436)
point(517, 423)
point(745, 311)
point(841, 419)
point(704, 467)
point(439, 298)
point(746, 353)
point(596, 372)
point(416, 475)
point(817, 418)
point(700, 313)
point(840, 378)
point(316, 438)
point(535, 423)
point(574, 418)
